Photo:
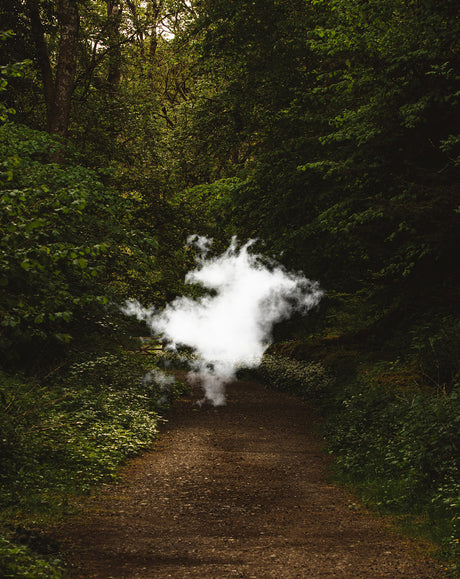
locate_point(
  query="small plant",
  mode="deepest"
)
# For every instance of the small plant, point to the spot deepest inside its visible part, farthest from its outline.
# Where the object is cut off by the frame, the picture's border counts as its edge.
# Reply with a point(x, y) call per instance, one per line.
point(19, 561)
point(181, 359)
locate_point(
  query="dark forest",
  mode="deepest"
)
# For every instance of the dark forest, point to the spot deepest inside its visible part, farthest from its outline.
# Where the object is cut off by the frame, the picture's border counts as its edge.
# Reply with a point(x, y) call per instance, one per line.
point(326, 130)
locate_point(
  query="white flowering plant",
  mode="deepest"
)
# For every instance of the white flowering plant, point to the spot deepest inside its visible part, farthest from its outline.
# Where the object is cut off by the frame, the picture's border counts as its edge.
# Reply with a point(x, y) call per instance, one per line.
point(306, 379)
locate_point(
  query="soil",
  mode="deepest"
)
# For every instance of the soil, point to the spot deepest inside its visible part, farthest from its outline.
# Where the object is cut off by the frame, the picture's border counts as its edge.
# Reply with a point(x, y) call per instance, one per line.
point(235, 491)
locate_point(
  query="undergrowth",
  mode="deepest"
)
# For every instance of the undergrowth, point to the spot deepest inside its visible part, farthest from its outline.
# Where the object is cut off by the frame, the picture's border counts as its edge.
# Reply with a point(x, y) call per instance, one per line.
point(305, 379)
point(400, 449)
point(63, 434)
point(393, 438)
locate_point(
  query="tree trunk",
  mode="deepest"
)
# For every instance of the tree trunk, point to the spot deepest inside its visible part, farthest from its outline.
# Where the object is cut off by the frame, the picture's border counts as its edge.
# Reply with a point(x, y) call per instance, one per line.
point(69, 22)
point(114, 10)
point(38, 35)
point(155, 7)
point(57, 90)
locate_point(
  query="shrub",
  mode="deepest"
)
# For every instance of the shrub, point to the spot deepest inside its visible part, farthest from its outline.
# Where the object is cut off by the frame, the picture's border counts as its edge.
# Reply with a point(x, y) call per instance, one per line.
point(20, 561)
point(305, 379)
point(66, 435)
point(401, 449)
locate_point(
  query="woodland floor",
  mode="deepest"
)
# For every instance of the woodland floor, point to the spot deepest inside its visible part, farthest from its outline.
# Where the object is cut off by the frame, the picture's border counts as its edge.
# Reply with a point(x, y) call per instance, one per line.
point(235, 491)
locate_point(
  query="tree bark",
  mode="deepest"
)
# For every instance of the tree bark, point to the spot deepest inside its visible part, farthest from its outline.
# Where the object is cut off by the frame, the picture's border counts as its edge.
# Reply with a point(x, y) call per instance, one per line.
point(43, 59)
point(155, 7)
point(69, 23)
point(114, 10)
point(57, 88)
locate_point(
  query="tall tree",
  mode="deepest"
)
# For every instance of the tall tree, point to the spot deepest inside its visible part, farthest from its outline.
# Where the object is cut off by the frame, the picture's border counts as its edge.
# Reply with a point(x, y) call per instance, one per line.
point(58, 85)
point(114, 16)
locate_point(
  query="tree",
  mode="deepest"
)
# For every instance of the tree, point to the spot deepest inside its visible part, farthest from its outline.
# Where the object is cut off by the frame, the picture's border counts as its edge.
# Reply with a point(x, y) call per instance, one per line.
point(58, 85)
point(340, 119)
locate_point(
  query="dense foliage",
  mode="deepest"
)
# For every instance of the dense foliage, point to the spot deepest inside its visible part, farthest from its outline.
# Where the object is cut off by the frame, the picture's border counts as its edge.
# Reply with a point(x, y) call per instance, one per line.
point(306, 379)
point(64, 244)
point(347, 140)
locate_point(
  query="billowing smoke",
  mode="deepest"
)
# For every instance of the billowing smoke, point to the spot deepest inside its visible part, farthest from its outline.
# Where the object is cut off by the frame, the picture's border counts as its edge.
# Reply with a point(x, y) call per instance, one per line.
point(231, 326)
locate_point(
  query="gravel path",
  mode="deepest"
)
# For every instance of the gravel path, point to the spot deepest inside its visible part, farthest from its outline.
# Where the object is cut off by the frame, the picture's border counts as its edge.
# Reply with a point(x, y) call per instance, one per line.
point(234, 491)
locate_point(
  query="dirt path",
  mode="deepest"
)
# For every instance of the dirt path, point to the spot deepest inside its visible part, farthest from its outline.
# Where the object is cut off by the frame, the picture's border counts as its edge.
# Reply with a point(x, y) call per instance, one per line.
point(237, 491)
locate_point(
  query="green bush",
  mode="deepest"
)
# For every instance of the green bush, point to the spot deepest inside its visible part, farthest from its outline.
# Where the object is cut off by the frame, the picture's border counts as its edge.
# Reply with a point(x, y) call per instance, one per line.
point(436, 345)
point(181, 359)
point(305, 379)
point(19, 561)
point(66, 243)
point(401, 450)
point(66, 435)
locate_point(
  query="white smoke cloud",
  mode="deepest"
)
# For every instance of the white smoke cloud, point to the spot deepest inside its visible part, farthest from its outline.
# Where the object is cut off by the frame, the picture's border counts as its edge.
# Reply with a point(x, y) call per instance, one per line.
point(232, 326)
point(201, 242)
point(163, 380)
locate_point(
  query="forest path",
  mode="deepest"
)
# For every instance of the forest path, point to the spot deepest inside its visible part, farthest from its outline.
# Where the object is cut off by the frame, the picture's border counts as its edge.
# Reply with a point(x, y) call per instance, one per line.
point(234, 491)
